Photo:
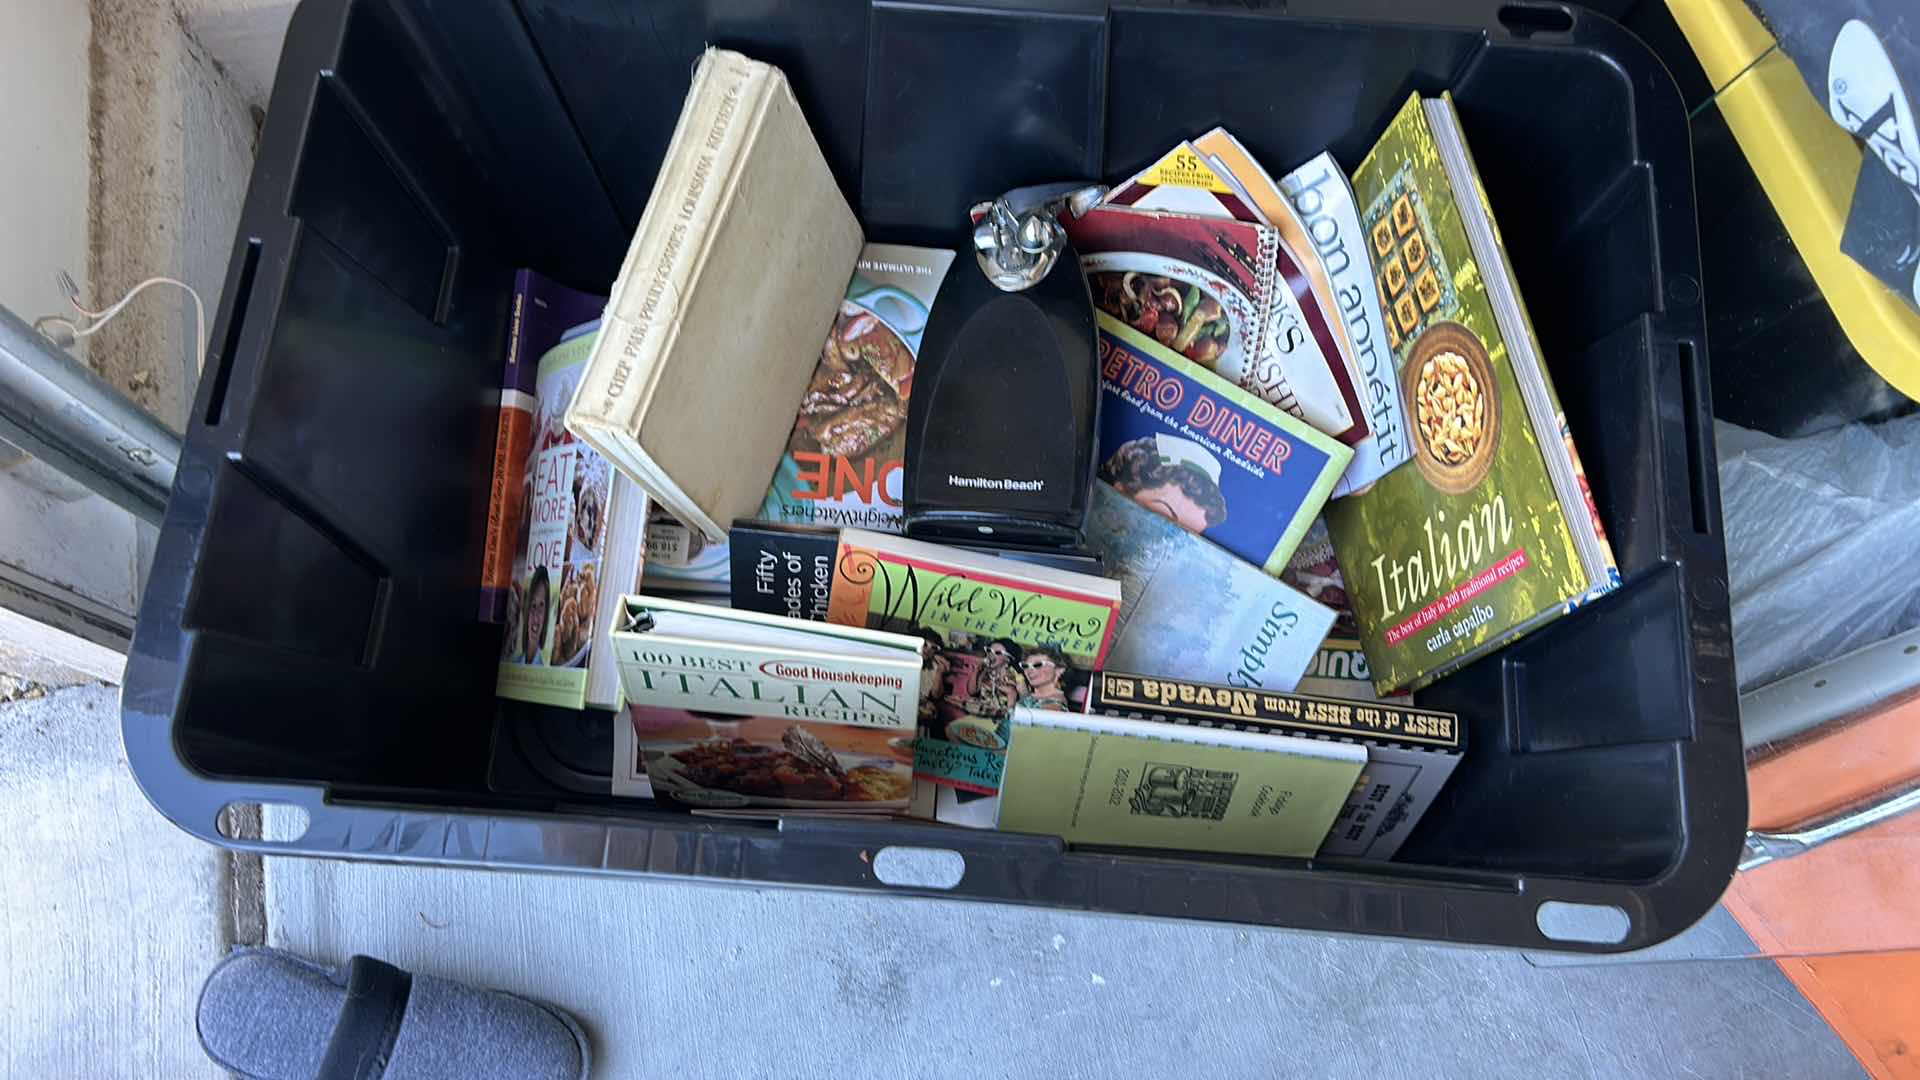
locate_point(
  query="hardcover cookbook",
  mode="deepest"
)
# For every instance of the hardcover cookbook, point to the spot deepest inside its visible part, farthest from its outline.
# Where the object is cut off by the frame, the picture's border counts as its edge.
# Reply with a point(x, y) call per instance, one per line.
point(1490, 531)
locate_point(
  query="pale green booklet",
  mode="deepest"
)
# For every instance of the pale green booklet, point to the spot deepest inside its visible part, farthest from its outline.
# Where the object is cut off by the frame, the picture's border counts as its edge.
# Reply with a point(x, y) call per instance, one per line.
point(1145, 783)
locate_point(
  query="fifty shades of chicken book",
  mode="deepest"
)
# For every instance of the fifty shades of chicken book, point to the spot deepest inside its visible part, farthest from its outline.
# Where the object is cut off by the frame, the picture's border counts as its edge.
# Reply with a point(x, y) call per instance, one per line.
point(688, 655)
point(1491, 532)
point(580, 545)
point(543, 310)
point(1141, 783)
point(1304, 366)
point(843, 460)
point(1319, 192)
point(1004, 633)
point(1191, 610)
point(1410, 752)
point(1207, 455)
point(782, 569)
point(732, 282)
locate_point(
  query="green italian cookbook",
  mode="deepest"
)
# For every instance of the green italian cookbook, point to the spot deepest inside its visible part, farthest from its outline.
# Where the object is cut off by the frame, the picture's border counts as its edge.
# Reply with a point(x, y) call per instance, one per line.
point(1490, 533)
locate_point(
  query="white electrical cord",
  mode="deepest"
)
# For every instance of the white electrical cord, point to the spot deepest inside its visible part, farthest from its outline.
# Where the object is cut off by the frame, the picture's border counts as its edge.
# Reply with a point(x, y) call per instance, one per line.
point(72, 331)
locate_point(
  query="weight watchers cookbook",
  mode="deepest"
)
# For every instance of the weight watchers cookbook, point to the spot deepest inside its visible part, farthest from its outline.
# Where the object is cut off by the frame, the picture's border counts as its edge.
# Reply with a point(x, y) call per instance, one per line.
point(843, 459)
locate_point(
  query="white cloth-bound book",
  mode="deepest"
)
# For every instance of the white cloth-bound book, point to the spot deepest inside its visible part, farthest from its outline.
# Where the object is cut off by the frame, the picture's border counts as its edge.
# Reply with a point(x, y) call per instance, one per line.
point(729, 287)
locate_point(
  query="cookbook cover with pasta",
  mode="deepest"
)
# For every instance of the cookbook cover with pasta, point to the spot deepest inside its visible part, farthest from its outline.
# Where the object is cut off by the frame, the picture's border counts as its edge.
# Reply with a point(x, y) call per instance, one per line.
point(572, 537)
point(1469, 546)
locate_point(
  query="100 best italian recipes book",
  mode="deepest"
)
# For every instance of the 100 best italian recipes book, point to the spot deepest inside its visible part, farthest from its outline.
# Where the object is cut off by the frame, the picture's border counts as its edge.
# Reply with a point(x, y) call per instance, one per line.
point(1003, 634)
point(1468, 547)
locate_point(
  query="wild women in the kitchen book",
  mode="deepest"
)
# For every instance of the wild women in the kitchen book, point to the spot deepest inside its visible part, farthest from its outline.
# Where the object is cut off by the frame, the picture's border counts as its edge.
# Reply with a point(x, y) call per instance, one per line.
point(1001, 634)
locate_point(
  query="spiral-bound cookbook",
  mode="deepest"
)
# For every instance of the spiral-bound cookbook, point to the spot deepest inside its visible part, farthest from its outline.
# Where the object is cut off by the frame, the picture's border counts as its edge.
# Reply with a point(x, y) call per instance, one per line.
point(1203, 287)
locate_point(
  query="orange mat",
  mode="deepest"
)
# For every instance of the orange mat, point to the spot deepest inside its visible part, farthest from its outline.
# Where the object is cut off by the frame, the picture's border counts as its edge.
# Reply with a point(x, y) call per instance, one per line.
point(1844, 919)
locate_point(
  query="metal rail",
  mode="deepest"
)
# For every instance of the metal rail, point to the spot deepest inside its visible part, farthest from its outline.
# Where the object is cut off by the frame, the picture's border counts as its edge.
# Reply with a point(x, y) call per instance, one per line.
point(1764, 847)
point(52, 407)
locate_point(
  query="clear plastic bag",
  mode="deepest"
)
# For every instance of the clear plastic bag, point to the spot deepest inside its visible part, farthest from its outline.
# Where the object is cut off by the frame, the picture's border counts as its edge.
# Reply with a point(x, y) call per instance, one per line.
point(1823, 542)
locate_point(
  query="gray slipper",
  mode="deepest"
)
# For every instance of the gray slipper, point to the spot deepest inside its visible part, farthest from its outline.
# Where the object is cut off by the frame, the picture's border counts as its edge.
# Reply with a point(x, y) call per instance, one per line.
point(270, 1015)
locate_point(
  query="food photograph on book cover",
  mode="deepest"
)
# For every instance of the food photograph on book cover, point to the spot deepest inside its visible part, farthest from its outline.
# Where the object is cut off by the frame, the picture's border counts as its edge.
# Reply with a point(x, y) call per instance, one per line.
point(1314, 571)
point(1185, 318)
point(854, 402)
point(842, 464)
point(1453, 397)
point(716, 761)
point(1472, 545)
point(1187, 282)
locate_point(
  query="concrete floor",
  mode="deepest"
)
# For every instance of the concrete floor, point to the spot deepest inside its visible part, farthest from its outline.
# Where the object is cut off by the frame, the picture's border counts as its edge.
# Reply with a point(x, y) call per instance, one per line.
point(110, 918)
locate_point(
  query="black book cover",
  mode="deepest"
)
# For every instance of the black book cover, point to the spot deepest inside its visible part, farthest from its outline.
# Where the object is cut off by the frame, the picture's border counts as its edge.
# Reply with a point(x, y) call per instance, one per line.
point(782, 569)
